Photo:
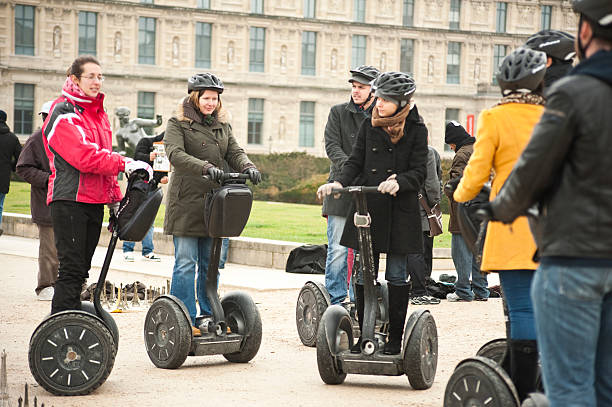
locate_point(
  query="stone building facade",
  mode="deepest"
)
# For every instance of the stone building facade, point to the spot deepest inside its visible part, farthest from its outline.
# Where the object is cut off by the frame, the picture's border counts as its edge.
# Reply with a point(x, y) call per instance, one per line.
point(284, 62)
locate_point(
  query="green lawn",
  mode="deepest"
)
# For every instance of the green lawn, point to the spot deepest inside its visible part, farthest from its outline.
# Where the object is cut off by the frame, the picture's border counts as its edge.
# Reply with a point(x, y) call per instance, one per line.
point(268, 220)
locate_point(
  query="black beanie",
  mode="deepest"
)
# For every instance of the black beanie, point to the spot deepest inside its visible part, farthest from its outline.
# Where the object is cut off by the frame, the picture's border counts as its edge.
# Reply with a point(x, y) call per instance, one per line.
point(456, 134)
point(2, 116)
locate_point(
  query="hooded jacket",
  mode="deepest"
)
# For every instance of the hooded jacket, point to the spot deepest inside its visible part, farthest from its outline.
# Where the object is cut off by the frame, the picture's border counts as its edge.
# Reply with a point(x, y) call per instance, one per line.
point(78, 143)
point(566, 166)
point(9, 153)
point(192, 146)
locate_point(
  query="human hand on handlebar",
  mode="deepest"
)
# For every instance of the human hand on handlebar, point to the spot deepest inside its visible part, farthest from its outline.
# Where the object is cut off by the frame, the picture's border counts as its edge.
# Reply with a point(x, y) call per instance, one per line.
point(214, 173)
point(326, 189)
point(389, 186)
point(254, 175)
point(133, 165)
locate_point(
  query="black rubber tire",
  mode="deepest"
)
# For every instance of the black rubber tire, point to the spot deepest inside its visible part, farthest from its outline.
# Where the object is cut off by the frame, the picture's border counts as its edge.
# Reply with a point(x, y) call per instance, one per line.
point(326, 362)
point(421, 354)
point(473, 383)
point(494, 350)
point(242, 317)
point(167, 334)
point(311, 304)
point(71, 354)
point(106, 317)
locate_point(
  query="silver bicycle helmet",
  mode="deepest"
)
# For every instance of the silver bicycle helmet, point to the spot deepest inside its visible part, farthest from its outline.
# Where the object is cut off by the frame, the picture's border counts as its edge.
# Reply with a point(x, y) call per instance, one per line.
point(203, 81)
point(397, 87)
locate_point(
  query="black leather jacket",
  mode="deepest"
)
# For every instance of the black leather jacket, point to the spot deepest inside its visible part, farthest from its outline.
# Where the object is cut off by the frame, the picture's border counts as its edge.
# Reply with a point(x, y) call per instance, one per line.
point(566, 166)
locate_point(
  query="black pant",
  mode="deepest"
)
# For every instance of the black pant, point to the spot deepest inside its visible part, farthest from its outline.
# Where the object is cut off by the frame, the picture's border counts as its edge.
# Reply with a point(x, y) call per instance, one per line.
point(419, 266)
point(77, 228)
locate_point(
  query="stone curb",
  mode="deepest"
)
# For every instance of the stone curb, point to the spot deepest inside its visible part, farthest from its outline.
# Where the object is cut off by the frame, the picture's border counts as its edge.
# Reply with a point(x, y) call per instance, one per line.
point(243, 250)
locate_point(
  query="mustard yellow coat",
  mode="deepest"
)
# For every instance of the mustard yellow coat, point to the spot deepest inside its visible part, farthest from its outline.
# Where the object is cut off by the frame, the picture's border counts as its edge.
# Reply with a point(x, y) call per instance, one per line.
point(503, 132)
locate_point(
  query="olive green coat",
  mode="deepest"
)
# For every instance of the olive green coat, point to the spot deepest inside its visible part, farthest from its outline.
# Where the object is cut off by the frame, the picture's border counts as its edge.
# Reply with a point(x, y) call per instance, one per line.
point(192, 146)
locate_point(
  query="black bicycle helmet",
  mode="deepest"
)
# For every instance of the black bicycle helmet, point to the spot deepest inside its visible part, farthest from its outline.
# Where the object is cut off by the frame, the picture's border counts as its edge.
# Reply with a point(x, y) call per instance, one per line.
point(203, 81)
point(364, 74)
point(556, 44)
point(522, 70)
point(397, 87)
point(598, 11)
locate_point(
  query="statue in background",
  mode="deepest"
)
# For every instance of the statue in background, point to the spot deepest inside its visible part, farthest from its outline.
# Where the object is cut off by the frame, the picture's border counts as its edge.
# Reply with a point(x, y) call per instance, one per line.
point(131, 131)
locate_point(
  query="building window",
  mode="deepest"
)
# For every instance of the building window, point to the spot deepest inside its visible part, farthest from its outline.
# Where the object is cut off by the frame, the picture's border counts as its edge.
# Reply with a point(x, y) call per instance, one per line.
point(23, 113)
point(146, 40)
point(257, 48)
point(88, 27)
point(406, 55)
point(146, 1)
point(205, 4)
point(546, 16)
point(202, 45)
point(500, 25)
point(450, 115)
point(257, 6)
point(309, 8)
point(256, 114)
point(309, 52)
point(359, 11)
point(307, 110)
point(24, 30)
point(455, 14)
point(499, 52)
point(359, 50)
point(408, 13)
point(453, 63)
point(146, 108)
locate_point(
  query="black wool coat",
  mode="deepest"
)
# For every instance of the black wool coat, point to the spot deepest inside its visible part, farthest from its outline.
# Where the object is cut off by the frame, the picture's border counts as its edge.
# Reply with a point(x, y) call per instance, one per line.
point(10, 148)
point(396, 220)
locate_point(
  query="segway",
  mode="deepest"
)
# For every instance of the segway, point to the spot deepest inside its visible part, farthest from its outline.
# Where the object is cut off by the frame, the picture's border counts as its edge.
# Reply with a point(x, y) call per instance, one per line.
point(235, 329)
point(480, 380)
point(419, 356)
point(314, 299)
point(73, 352)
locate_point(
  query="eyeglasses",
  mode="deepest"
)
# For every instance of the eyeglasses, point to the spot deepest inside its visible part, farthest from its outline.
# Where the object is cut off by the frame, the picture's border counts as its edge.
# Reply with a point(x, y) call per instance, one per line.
point(94, 78)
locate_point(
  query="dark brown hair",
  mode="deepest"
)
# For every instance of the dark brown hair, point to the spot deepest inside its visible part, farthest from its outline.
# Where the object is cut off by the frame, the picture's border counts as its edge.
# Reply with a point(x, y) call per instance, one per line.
point(76, 68)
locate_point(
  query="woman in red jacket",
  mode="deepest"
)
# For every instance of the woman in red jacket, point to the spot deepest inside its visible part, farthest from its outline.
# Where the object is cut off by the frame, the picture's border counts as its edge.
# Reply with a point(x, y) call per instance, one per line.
point(78, 143)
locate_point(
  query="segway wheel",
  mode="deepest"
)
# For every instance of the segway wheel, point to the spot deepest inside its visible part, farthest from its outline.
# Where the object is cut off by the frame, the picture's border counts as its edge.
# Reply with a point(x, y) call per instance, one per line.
point(494, 350)
point(311, 305)
point(421, 354)
point(242, 317)
point(167, 334)
point(342, 337)
point(106, 317)
point(479, 381)
point(71, 354)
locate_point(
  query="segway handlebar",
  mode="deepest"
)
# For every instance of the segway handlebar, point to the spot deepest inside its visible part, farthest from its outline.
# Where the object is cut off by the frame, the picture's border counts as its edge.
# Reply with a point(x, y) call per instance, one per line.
point(227, 176)
point(355, 188)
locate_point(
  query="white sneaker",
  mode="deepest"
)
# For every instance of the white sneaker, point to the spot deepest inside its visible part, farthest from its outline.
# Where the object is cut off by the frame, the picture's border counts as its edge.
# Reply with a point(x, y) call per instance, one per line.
point(46, 294)
point(129, 256)
point(151, 257)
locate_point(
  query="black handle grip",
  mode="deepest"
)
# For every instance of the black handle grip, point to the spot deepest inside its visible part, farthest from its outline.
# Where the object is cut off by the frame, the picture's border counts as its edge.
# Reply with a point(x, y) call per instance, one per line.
point(356, 188)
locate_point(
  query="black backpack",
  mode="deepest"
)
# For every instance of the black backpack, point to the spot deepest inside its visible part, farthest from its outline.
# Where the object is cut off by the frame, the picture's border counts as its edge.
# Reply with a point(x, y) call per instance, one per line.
point(307, 259)
point(138, 207)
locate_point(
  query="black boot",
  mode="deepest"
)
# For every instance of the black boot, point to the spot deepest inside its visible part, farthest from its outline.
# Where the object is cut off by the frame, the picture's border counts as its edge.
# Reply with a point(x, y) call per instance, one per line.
point(399, 295)
point(524, 366)
point(360, 307)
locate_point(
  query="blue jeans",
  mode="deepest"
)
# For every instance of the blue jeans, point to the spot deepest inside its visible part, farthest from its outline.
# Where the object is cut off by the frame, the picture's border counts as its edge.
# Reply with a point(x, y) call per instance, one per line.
point(465, 264)
point(224, 249)
point(2, 195)
point(336, 267)
point(395, 272)
point(573, 312)
point(516, 285)
point(190, 252)
point(147, 243)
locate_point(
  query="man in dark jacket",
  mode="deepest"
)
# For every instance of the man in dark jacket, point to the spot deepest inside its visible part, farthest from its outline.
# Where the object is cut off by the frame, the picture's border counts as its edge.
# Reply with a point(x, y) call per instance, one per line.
point(342, 125)
point(465, 264)
point(565, 169)
point(33, 166)
point(9, 154)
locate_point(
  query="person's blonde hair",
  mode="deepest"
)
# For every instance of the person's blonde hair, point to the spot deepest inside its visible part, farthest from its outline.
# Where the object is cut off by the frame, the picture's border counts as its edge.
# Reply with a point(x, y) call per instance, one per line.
point(194, 98)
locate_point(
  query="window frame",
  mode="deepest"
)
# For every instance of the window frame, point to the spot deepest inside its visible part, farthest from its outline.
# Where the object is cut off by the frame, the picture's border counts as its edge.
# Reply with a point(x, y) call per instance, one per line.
point(257, 49)
point(23, 45)
point(359, 11)
point(309, 53)
point(255, 121)
point(201, 60)
point(404, 42)
point(501, 17)
point(408, 13)
point(359, 50)
point(546, 17)
point(86, 26)
point(145, 59)
point(21, 112)
point(450, 76)
point(454, 24)
point(307, 120)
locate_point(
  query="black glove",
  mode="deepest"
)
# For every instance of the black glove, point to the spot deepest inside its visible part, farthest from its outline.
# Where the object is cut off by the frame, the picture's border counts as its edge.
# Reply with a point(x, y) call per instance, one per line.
point(485, 212)
point(451, 186)
point(254, 175)
point(214, 174)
